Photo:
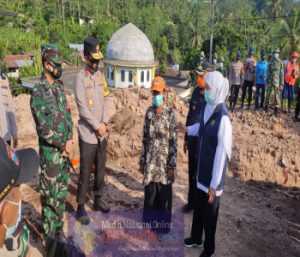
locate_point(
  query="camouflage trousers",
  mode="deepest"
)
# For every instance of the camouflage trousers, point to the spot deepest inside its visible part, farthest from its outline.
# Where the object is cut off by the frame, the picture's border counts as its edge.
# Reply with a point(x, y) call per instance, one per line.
point(53, 188)
point(276, 96)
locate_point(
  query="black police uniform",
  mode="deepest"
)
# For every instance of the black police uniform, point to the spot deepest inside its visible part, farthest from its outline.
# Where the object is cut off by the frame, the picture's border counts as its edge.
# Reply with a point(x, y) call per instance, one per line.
point(197, 105)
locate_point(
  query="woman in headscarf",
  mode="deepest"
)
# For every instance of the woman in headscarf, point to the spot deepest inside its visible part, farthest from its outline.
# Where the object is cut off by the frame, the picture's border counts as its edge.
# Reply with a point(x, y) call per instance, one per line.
point(213, 154)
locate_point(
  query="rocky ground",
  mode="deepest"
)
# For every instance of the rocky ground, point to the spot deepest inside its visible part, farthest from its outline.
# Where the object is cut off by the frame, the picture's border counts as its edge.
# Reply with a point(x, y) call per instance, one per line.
point(259, 213)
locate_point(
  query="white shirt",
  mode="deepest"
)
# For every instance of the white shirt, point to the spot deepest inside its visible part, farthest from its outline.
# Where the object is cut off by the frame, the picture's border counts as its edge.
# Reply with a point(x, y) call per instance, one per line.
point(223, 148)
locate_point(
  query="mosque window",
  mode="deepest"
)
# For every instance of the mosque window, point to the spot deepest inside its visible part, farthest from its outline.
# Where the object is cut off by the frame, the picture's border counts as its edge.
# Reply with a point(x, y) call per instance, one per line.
point(130, 76)
point(142, 77)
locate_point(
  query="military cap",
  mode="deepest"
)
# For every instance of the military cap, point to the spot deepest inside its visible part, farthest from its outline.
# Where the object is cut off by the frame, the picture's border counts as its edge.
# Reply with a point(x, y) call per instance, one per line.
point(251, 49)
point(202, 54)
point(16, 167)
point(277, 50)
point(91, 46)
point(263, 53)
point(215, 55)
point(239, 54)
point(51, 52)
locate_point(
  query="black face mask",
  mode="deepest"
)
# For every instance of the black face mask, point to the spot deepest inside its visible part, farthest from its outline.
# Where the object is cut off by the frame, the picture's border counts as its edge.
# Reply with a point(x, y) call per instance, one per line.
point(57, 71)
point(91, 65)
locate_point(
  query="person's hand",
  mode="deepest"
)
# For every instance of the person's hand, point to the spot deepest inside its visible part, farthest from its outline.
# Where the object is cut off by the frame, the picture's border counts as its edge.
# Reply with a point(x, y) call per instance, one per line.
point(185, 147)
point(142, 169)
point(171, 175)
point(69, 146)
point(15, 141)
point(102, 130)
point(65, 154)
point(181, 128)
point(211, 195)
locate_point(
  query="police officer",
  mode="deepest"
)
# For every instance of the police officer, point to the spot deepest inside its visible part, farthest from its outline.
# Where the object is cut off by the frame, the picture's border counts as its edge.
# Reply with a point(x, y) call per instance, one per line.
point(91, 95)
point(54, 128)
point(197, 105)
point(8, 124)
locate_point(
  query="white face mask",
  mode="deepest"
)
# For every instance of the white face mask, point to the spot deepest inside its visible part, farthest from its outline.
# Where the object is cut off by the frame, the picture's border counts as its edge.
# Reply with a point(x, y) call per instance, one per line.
point(276, 55)
point(214, 61)
point(221, 65)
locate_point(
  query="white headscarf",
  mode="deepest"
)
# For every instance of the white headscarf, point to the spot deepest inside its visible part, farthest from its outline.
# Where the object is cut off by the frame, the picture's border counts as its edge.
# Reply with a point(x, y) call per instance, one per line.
point(219, 88)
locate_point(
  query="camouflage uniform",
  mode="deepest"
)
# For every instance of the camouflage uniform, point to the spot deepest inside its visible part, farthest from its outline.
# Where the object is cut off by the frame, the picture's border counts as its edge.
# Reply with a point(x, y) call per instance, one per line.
point(275, 78)
point(159, 148)
point(54, 127)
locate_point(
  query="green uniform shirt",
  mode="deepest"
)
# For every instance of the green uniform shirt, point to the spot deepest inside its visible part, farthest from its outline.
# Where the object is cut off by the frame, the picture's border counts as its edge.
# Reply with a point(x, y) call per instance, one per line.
point(51, 114)
point(275, 73)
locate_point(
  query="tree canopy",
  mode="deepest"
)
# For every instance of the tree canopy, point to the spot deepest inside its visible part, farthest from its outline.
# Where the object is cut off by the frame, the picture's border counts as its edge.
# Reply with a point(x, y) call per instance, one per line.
point(177, 27)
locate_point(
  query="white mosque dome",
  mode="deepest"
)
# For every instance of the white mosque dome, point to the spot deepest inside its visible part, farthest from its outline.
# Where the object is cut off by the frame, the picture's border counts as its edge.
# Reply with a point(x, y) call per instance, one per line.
point(130, 45)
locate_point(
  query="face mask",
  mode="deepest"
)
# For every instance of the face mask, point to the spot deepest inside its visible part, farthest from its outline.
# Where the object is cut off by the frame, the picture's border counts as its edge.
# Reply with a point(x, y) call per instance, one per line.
point(208, 98)
point(94, 65)
point(214, 61)
point(221, 65)
point(157, 100)
point(11, 230)
point(276, 55)
point(201, 58)
point(57, 71)
point(295, 60)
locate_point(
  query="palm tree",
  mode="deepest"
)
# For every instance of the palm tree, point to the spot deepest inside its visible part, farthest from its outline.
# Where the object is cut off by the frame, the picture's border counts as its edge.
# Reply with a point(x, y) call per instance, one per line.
point(275, 7)
point(195, 34)
point(290, 31)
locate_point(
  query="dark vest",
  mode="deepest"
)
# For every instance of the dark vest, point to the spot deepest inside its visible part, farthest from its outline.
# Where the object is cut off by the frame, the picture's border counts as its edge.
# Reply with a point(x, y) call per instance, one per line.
point(208, 142)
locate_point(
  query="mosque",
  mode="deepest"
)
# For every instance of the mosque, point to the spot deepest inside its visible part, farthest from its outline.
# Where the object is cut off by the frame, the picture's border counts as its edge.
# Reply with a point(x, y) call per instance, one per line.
point(129, 59)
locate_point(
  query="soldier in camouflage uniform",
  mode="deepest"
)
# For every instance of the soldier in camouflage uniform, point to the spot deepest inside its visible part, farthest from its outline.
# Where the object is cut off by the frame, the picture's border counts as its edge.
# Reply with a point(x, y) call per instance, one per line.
point(158, 157)
point(215, 61)
point(275, 79)
point(221, 67)
point(54, 125)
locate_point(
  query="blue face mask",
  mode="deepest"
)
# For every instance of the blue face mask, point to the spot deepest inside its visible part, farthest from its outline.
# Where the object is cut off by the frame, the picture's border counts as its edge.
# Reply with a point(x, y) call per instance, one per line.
point(208, 97)
point(157, 100)
point(11, 230)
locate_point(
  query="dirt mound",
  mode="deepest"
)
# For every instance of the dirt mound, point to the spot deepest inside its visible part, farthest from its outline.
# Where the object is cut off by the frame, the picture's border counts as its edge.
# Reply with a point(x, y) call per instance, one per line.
point(266, 148)
point(128, 108)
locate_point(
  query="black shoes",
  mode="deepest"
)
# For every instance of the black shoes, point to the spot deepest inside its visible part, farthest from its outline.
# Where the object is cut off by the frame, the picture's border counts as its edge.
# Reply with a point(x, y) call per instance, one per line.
point(296, 119)
point(191, 242)
point(204, 254)
point(82, 216)
point(101, 205)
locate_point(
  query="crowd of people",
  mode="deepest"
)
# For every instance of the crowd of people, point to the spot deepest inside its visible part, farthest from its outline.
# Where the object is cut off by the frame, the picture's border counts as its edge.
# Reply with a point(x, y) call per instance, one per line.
point(208, 141)
point(272, 79)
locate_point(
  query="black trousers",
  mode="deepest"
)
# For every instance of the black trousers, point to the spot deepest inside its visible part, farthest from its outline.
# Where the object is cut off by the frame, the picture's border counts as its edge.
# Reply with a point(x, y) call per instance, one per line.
point(158, 206)
point(192, 154)
point(297, 109)
point(248, 86)
point(205, 216)
point(260, 93)
point(91, 154)
point(234, 94)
